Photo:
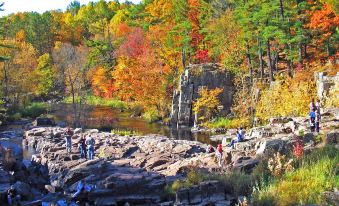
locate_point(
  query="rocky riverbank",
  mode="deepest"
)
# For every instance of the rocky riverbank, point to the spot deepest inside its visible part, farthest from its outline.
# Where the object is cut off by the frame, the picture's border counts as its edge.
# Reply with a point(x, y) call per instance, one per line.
point(138, 169)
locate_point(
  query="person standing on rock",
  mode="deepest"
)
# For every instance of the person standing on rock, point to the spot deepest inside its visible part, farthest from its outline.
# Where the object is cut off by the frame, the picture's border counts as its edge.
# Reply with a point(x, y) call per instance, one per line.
point(90, 142)
point(218, 154)
point(312, 120)
point(68, 139)
point(317, 122)
point(82, 147)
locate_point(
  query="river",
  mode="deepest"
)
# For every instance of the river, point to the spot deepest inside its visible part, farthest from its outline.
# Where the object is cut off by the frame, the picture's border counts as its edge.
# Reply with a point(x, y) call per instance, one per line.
point(97, 117)
point(105, 119)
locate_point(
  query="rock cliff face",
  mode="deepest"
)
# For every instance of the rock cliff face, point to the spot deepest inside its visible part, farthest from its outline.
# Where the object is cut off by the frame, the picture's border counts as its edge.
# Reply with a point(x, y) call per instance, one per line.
point(326, 83)
point(194, 78)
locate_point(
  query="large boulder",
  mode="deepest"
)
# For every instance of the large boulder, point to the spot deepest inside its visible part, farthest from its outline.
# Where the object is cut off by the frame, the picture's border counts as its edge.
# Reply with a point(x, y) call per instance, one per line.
point(245, 164)
point(270, 146)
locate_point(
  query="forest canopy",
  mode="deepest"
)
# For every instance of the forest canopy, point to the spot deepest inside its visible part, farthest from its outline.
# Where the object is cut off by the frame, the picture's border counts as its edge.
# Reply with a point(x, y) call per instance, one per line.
point(135, 52)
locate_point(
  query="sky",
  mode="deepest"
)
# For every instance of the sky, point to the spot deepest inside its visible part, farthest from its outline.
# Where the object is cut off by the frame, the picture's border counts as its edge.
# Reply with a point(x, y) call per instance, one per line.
point(13, 6)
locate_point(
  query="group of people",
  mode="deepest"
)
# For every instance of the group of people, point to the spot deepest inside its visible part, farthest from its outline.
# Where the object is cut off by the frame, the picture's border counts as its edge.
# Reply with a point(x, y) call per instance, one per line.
point(219, 152)
point(85, 144)
point(315, 116)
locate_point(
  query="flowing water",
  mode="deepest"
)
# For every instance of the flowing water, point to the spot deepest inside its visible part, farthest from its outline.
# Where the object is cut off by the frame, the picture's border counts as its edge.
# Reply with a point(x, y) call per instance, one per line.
point(97, 117)
point(105, 119)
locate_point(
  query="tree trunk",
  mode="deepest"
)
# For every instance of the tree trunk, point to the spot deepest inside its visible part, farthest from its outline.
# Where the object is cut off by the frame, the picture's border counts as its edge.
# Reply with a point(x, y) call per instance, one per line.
point(74, 106)
point(6, 80)
point(328, 48)
point(261, 65)
point(183, 59)
point(300, 56)
point(281, 7)
point(249, 62)
point(270, 67)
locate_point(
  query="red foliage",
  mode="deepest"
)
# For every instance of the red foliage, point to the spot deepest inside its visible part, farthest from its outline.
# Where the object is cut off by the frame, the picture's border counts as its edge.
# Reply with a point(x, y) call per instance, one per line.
point(298, 149)
point(201, 56)
point(134, 44)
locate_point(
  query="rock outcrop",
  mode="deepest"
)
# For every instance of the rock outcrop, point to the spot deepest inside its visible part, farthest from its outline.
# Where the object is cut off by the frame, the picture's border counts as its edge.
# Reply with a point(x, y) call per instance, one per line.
point(194, 78)
point(131, 169)
point(325, 83)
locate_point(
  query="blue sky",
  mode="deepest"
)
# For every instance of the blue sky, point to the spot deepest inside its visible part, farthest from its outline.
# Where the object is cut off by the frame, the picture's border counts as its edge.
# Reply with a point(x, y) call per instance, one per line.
point(13, 6)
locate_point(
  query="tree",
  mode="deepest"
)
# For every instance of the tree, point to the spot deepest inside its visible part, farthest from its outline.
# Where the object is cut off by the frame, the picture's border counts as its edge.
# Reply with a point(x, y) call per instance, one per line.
point(206, 106)
point(73, 7)
point(70, 60)
point(18, 76)
point(45, 75)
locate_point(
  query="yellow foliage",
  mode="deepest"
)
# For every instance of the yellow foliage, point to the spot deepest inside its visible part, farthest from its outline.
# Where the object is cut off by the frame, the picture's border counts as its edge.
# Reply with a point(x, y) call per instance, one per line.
point(288, 97)
point(208, 102)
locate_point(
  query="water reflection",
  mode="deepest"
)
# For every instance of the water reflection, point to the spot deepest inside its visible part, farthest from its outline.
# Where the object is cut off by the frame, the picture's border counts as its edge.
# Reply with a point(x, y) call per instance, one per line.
point(105, 118)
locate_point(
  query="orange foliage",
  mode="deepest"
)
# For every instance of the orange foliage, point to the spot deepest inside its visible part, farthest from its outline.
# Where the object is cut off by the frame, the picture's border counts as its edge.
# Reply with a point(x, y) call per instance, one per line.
point(142, 76)
point(325, 20)
point(101, 84)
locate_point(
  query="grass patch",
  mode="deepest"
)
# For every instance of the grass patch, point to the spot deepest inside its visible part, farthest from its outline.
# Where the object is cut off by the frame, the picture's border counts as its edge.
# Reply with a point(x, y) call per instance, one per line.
point(98, 101)
point(14, 117)
point(236, 182)
point(226, 123)
point(121, 132)
point(315, 174)
point(35, 109)
point(151, 115)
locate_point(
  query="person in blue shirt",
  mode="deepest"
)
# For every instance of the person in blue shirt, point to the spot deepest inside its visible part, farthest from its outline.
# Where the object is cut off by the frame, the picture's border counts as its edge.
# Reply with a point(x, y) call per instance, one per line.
point(239, 138)
point(83, 187)
point(312, 115)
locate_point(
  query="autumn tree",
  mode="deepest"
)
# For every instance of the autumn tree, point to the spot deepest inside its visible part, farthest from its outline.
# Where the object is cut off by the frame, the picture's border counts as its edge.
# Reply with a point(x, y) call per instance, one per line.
point(45, 75)
point(206, 106)
point(70, 61)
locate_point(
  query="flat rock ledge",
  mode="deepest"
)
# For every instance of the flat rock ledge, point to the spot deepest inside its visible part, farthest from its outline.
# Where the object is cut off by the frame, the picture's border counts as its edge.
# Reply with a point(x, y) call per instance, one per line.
point(126, 169)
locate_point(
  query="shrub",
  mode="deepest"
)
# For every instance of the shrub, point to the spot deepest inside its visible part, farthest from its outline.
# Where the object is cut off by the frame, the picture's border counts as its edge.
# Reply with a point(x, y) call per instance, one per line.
point(289, 97)
point(237, 183)
point(151, 115)
point(222, 122)
point(14, 117)
point(298, 149)
point(317, 173)
point(207, 104)
point(279, 165)
point(35, 109)
point(99, 101)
